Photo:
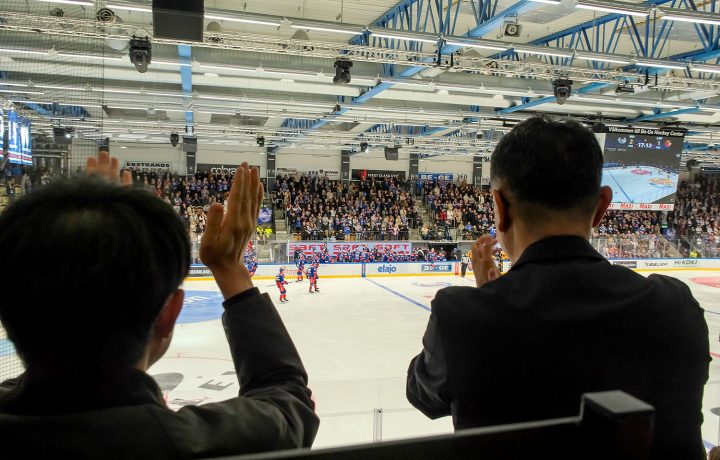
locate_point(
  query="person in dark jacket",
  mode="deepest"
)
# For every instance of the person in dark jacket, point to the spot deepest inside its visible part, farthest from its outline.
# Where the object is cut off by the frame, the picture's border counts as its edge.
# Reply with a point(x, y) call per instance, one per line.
point(91, 304)
point(563, 321)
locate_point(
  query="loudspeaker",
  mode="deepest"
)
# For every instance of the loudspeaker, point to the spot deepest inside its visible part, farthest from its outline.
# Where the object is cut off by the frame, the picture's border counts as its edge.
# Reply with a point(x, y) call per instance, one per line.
point(511, 29)
point(190, 144)
point(178, 19)
point(391, 153)
point(62, 136)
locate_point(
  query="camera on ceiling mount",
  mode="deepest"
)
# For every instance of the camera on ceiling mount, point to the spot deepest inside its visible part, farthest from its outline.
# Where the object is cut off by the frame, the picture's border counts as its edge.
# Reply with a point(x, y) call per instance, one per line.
point(562, 89)
point(174, 139)
point(140, 53)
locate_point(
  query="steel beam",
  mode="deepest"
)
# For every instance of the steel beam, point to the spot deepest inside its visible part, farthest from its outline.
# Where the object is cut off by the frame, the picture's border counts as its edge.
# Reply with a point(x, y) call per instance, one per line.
point(657, 116)
point(185, 58)
point(545, 100)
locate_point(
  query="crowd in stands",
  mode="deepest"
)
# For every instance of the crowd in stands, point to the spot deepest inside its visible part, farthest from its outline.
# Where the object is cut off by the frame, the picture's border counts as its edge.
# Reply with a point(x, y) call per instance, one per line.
point(318, 208)
point(460, 211)
point(190, 198)
point(696, 219)
point(383, 209)
point(375, 254)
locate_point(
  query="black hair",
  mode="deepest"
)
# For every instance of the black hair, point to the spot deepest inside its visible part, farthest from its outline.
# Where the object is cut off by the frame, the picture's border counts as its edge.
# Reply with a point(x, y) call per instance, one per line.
point(87, 267)
point(556, 164)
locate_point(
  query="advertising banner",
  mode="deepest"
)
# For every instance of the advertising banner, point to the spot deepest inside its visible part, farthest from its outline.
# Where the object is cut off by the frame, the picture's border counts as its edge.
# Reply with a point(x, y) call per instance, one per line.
point(25, 141)
point(441, 267)
point(213, 168)
point(436, 176)
point(643, 206)
point(290, 172)
point(148, 166)
point(310, 247)
point(359, 174)
point(14, 146)
point(332, 174)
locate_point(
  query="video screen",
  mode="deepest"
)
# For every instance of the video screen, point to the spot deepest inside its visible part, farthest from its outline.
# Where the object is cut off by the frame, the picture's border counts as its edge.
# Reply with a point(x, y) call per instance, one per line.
point(14, 150)
point(642, 166)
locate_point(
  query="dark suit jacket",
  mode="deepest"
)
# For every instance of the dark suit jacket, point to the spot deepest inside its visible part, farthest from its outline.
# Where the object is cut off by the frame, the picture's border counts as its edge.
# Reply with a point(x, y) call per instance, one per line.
point(122, 414)
point(562, 322)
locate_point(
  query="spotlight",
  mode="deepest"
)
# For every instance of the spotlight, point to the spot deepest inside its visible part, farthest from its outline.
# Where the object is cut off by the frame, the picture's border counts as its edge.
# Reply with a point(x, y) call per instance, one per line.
point(174, 139)
point(363, 146)
point(140, 53)
point(342, 71)
point(625, 88)
point(260, 141)
point(562, 89)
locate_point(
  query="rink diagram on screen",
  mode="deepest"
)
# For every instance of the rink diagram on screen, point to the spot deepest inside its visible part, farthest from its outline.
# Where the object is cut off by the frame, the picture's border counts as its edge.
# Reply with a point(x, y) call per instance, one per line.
point(639, 184)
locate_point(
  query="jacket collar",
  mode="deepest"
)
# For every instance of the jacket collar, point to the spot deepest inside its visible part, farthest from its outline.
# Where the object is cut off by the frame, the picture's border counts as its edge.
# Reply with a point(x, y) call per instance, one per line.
point(556, 248)
point(78, 392)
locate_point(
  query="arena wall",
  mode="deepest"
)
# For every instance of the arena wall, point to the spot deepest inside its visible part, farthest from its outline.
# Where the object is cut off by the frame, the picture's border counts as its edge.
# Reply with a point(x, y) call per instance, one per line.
point(380, 269)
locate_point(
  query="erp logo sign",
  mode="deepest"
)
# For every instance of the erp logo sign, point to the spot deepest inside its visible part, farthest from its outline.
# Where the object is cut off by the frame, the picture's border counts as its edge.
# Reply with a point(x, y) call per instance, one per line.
point(387, 269)
point(436, 268)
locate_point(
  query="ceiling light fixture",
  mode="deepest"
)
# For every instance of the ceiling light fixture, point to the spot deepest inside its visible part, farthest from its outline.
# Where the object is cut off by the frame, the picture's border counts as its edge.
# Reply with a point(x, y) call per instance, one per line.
point(549, 2)
point(91, 56)
point(544, 51)
point(660, 64)
point(482, 44)
point(10, 50)
point(70, 2)
point(697, 17)
point(613, 7)
point(172, 63)
point(705, 68)
point(64, 88)
point(403, 35)
point(348, 29)
point(119, 6)
point(600, 57)
point(20, 91)
point(246, 20)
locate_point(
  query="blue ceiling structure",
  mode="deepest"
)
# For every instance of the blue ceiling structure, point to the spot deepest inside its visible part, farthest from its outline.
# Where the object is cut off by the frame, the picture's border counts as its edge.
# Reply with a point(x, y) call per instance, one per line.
point(438, 16)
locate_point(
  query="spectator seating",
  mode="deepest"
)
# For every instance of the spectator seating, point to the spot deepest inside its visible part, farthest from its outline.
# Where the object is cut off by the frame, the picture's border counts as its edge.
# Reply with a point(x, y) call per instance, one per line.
point(318, 208)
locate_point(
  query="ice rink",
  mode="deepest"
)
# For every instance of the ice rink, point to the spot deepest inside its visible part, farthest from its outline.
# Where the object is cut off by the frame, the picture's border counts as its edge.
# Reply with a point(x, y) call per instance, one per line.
point(645, 185)
point(356, 338)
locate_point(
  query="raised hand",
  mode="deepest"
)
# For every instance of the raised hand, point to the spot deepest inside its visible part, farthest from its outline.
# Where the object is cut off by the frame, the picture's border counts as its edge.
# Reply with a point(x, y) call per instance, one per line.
point(483, 264)
point(227, 234)
point(108, 168)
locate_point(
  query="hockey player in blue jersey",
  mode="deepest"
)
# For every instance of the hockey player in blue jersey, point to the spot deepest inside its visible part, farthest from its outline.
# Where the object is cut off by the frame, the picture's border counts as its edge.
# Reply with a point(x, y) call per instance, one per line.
point(252, 266)
point(300, 267)
point(312, 274)
point(281, 283)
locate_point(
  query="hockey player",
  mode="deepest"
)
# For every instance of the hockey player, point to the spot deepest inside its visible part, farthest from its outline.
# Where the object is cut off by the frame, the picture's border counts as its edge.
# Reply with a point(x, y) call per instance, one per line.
point(252, 266)
point(281, 283)
point(300, 267)
point(312, 274)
